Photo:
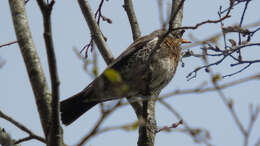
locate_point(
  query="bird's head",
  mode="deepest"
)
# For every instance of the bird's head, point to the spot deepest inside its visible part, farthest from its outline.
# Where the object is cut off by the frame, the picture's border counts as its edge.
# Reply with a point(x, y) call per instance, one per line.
point(177, 35)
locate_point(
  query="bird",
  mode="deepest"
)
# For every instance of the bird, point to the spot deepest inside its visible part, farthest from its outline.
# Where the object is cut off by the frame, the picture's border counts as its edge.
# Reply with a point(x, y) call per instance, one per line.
point(142, 70)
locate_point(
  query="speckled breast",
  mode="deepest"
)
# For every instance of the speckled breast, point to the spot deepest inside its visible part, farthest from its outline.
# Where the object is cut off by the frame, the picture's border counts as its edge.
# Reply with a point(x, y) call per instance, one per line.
point(163, 64)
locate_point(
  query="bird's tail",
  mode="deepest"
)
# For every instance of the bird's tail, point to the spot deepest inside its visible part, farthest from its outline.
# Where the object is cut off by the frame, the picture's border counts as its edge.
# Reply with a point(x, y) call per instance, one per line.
point(73, 107)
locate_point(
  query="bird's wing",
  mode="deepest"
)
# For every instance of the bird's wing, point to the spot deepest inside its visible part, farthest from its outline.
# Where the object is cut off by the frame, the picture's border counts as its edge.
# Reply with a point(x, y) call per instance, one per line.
point(101, 83)
point(136, 45)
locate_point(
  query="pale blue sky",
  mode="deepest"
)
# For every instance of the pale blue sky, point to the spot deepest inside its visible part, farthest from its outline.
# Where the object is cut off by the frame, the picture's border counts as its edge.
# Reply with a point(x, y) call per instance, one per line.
point(70, 30)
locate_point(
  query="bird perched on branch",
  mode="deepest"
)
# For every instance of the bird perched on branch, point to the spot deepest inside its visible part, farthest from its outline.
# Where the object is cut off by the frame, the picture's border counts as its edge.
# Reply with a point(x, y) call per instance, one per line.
point(142, 70)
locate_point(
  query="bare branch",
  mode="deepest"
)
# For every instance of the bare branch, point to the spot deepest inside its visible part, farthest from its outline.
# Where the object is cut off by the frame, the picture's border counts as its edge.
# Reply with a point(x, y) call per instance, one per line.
point(8, 44)
point(99, 14)
point(230, 106)
point(218, 35)
point(129, 8)
point(208, 21)
point(201, 89)
point(54, 136)
point(209, 89)
point(94, 130)
point(254, 113)
point(241, 21)
point(176, 14)
point(95, 31)
point(253, 32)
point(193, 133)
point(222, 28)
point(167, 128)
point(32, 62)
point(224, 54)
point(23, 139)
point(161, 18)
point(22, 127)
point(239, 71)
point(148, 127)
point(236, 29)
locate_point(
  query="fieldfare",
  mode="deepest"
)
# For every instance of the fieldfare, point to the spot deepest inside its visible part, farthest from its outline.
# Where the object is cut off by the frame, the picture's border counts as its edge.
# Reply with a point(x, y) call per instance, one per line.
point(142, 70)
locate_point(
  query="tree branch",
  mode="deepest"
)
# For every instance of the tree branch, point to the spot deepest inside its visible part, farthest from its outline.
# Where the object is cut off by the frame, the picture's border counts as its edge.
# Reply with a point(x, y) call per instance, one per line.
point(201, 89)
point(95, 31)
point(54, 136)
point(8, 44)
point(191, 131)
point(22, 127)
point(231, 4)
point(176, 14)
point(95, 129)
point(148, 127)
point(32, 62)
point(129, 8)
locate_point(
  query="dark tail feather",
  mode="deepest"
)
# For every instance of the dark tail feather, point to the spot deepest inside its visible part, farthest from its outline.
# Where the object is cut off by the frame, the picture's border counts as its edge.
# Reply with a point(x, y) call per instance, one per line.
point(73, 107)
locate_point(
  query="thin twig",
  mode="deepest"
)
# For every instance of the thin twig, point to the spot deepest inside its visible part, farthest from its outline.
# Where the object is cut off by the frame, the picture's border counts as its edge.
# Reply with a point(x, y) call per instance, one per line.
point(240, 24)
point(94, 130)
point(228, 102)
point(208, 39)
point(230, 107)
point(22, 127)
point(253, 32)
point(95, 31)
point(99, 15)
point(254, 113)
point(224, 53)
point(241, 21)
point(208, 21)
point(8, 44)
point(30, 137)
point(210, 89)
point(222, 28)
point(239, 71)
point(184, 123)
point(167, 128)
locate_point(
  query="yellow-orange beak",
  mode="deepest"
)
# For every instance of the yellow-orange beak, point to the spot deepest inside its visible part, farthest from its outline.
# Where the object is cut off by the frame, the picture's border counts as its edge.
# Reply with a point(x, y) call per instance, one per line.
point(185, 41)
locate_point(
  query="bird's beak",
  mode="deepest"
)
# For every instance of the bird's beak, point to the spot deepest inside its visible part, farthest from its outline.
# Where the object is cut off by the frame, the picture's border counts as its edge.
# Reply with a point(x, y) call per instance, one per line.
point(185, 41)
